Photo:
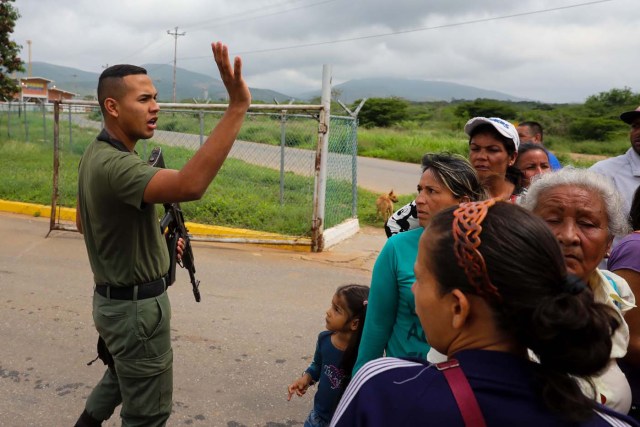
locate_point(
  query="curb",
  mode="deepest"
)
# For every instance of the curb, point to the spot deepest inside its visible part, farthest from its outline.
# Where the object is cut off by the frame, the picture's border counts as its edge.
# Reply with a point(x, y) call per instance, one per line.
point(212, 233)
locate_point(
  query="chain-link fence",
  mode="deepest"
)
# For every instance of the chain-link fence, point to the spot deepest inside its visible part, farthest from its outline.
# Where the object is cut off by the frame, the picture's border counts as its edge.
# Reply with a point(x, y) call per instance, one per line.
point(26, 122)
point(267, 185)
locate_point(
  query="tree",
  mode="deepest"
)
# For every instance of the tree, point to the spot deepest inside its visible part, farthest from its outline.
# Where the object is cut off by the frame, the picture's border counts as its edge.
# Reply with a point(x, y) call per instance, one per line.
point(594, 128)
point(486, 108)
point(612, 102)
point(382, 112)
point(9, 60)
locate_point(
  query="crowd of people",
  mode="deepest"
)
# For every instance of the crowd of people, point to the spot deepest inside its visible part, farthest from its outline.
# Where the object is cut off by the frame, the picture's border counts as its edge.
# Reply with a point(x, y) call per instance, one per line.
point(488, 304)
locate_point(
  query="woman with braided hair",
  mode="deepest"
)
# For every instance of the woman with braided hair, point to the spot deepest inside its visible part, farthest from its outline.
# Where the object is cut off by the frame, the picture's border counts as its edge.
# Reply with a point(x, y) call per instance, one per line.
point(484, 300)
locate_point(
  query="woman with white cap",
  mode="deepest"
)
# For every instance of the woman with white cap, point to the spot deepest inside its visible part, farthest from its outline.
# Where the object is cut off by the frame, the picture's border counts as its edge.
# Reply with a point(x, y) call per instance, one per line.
point(493, 148)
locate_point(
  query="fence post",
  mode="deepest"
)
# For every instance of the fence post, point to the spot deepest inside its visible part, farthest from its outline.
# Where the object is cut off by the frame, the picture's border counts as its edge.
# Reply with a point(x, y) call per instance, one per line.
point(44, 123)
point(70, 129)
point(9, 121)
point(283, 141)
point(319, 193)
point(26, 125)
point(56, 163)
point(201, 117)
point(354, 167)
point(354, 154)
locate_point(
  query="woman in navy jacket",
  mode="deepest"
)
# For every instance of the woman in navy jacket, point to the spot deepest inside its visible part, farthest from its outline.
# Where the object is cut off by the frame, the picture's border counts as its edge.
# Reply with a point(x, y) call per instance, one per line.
point(491, 283)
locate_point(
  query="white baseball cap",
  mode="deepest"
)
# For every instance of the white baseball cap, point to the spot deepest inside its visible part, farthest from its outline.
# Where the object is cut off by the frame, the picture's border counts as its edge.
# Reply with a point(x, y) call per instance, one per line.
point(505, 128)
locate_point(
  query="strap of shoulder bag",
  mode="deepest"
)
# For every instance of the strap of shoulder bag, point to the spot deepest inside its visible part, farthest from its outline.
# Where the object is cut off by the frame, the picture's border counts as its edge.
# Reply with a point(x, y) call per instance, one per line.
point(462, 392)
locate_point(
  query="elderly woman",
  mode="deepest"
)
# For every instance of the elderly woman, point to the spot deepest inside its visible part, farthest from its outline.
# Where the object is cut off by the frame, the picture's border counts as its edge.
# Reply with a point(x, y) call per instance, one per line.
point(483, 299)
point(584, 212)
point(392, 327)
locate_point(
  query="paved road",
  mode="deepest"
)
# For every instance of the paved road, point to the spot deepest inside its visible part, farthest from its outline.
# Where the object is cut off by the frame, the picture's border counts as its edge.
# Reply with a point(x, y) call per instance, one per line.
point(373, 174)
point(384, 175)
point(235, 352)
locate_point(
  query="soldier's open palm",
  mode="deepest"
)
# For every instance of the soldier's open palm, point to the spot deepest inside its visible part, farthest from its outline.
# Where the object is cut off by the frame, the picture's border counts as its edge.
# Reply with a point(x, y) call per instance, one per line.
point(231, 75)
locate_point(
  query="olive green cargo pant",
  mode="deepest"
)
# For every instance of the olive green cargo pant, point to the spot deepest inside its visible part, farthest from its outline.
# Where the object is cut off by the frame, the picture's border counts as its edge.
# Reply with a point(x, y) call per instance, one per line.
point(137, 334)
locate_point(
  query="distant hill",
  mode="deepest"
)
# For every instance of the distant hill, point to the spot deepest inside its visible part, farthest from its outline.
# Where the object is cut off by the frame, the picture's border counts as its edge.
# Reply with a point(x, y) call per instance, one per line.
point(189, 85)
point(412, 90)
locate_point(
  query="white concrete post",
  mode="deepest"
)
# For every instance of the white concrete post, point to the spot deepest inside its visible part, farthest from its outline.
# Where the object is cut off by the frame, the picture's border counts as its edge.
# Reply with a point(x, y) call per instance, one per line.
point(322, 150)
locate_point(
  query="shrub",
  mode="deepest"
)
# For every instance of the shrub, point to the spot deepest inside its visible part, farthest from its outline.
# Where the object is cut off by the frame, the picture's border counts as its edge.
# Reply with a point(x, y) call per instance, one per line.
point(592, 128)
point(95, 115)
point(486, 108)
point(383, 112)
point(612, 102)
point(172, 126)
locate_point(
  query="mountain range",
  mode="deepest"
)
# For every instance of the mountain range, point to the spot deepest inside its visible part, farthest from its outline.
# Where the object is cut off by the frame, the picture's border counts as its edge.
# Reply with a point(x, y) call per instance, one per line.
point(189, 85)
point(201, 87)
point(414, 90)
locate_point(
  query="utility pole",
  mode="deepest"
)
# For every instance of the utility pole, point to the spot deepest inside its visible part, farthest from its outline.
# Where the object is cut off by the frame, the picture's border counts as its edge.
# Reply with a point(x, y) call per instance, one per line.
point(29, 66)
point(175, 35)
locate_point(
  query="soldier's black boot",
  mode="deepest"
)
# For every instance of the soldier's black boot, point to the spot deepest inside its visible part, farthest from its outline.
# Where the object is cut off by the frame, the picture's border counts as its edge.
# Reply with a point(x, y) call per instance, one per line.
point(87, 420)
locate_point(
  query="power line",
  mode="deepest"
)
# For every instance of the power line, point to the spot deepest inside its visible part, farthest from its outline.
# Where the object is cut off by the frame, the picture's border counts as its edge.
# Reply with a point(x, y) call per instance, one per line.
point(412, 30)
point(216, 21)
point(193, 27)
point(135, 53)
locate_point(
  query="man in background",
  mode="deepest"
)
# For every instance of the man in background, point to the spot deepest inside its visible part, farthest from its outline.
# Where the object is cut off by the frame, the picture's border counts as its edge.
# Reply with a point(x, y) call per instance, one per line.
point(624, 170)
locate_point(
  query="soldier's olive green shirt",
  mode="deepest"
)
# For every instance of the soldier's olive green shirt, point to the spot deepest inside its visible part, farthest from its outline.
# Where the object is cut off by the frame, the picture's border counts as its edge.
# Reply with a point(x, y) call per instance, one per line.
point(121, 232)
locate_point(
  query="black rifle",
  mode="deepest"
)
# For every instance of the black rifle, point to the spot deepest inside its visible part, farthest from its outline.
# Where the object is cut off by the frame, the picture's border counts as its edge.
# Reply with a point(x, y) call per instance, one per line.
point(173, 228)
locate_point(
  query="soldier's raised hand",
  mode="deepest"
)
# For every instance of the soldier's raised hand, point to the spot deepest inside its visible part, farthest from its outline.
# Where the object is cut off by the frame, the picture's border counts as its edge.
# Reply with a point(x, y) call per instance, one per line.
point(231, 76)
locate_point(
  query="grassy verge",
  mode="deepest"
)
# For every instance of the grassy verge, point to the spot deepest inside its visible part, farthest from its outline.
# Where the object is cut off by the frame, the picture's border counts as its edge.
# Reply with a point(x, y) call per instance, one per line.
point(409, 145)
point(406, 142)
point(242, 195)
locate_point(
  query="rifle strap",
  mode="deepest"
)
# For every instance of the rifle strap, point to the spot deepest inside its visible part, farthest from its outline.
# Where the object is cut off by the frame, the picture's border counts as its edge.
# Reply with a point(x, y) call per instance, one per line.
point(105, 137)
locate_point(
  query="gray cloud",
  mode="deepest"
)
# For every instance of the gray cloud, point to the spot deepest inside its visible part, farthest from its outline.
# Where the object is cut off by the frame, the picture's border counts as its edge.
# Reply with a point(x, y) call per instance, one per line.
point(556, 56)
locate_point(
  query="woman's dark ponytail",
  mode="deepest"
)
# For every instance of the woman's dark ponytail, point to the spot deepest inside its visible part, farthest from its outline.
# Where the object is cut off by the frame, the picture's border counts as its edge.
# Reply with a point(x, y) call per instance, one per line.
point(536, 302)
point(570, 334)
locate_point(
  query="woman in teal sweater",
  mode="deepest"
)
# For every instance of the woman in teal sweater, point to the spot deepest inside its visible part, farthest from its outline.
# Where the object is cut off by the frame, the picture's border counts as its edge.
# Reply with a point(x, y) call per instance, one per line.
point(392, 326)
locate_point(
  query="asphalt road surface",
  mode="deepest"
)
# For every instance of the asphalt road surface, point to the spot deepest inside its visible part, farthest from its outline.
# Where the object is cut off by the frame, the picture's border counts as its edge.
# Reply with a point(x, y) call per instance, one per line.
point(234, 353)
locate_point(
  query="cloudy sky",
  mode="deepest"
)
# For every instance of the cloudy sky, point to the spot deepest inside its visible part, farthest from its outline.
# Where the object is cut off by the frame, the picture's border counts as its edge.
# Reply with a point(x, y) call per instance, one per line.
point(549, 50)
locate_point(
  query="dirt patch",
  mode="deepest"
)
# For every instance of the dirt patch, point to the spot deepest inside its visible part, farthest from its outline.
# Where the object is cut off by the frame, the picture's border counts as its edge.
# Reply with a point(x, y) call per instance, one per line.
point(590, 157)
point(356, 252)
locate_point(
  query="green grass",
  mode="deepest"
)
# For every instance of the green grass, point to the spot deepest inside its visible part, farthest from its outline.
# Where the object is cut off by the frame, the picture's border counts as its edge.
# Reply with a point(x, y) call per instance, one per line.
point(408, 145)
point(412, 141)
point(246, 195)
point(263, 128)
point(242, 195)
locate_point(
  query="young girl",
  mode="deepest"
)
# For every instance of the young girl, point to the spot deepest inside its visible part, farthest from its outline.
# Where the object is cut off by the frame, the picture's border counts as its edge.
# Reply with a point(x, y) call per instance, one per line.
point(336, 352)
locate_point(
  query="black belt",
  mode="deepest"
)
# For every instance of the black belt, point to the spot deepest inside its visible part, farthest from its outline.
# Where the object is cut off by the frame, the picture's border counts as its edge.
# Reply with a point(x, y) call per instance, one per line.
point(145, 290)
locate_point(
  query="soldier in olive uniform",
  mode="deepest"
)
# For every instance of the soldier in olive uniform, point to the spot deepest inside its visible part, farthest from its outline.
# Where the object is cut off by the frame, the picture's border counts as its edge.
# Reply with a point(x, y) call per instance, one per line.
point(117, 192)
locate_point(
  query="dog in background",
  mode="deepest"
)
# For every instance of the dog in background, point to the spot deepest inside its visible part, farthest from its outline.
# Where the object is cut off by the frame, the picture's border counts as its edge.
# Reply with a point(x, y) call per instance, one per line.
point(384, 205)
